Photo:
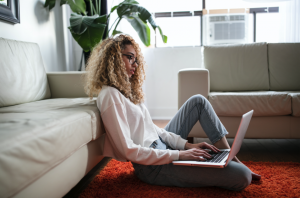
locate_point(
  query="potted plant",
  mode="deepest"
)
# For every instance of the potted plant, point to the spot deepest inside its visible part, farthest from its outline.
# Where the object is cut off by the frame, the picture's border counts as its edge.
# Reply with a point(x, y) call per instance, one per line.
point(89, 30)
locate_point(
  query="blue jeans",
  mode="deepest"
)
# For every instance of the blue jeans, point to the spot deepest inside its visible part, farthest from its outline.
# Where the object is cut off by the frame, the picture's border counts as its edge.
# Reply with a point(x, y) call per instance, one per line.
point(235, 176)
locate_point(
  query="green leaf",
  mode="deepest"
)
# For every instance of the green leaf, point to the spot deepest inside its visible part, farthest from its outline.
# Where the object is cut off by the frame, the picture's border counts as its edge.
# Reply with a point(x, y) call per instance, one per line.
point(124, 6)
point(87, 30)
point(138, 17)
point(164, 37)
point(77, 6)
point(154, 26)
point(130, 10)
point(76, 23)
point(80, 23)
point(101, 19)
point(125, 3)
point(50, 3)
point(116, 32)
point(115, 7)
point(131, 2)
point(62, 2)
point(144, 14)
point(122, 9)
point(91, 37)
point(140, 27)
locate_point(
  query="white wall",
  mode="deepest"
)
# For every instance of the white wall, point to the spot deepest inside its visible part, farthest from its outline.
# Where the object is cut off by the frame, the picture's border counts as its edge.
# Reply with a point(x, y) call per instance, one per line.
point(40, 26)
point(161, 86)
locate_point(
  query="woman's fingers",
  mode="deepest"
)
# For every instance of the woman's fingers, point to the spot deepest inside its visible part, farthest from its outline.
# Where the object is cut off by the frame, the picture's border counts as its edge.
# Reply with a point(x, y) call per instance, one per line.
point(213, 148)
point(209, 146)
point(194, 154)
point(200, 158)
point(201, 153)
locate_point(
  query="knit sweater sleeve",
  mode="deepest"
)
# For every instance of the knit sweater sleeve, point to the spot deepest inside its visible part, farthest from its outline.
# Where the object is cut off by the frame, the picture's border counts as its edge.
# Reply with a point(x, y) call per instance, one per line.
point(118, 132)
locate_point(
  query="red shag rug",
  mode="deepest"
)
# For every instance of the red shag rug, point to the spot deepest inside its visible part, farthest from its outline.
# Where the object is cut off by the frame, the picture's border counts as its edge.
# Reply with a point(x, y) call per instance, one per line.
point(117, 179)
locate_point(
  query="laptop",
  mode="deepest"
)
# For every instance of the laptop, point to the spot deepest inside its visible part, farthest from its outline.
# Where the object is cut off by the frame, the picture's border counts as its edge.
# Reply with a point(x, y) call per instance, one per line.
point(222, 159)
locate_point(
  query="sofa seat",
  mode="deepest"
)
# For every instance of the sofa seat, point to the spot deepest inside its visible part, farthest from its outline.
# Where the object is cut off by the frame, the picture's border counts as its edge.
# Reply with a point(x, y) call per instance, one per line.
point(65, 104)
point(240, 77)
point(264, 103)
point(40, 135)
point(295, 102)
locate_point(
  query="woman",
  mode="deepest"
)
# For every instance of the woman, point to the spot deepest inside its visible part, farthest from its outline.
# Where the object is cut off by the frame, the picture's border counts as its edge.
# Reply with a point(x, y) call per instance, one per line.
point(115, 72)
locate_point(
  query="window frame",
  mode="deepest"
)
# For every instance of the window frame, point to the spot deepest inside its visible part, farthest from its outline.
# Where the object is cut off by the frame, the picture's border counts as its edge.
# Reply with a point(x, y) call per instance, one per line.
point(182, 14)
point(253, 11)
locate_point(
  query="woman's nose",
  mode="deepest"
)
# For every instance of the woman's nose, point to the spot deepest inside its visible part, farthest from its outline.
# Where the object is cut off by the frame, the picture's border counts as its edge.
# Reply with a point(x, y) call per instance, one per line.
point(135, 64)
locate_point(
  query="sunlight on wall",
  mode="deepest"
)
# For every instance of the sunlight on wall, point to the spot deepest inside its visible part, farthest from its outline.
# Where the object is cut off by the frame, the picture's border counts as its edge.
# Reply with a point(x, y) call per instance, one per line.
point(40, 26)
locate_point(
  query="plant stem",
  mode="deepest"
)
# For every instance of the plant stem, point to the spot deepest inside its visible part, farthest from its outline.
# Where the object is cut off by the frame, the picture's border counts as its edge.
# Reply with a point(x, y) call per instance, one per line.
point(94, 9)
point(112, 25)
point(117, 24)
point(91, 9)
point(99, 2)
point(97, 8)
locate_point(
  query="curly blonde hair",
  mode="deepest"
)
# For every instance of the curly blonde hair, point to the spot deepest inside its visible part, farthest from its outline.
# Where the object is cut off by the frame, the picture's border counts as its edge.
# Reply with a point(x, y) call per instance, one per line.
point(106, 67)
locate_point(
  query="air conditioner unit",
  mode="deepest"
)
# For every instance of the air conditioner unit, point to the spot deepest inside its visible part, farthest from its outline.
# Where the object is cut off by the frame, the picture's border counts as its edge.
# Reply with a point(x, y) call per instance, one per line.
point(225, 28)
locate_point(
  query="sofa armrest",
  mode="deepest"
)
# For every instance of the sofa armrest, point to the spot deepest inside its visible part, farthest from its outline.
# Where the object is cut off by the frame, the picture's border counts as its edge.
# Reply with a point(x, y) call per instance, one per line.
point(192, 81)
point(66, 84)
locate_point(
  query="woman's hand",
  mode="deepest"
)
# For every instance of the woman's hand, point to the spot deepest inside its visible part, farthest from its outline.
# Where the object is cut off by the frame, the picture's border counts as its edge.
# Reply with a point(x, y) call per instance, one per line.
point(194, 154)
point(202, 145)
point(197, 152)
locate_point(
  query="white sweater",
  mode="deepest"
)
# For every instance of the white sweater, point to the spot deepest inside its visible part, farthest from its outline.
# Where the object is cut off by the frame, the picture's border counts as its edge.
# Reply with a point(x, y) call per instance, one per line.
point(130, 131)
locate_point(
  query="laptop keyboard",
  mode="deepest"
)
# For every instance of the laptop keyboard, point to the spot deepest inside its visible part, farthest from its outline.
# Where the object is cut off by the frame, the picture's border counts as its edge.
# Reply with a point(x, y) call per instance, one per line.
point(218, 157)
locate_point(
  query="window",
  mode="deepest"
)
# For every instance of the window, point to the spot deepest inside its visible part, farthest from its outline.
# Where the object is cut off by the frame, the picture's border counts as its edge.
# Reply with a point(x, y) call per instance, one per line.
point(267, 27)
point(179, 20)
point(257, 24)
point(221, 22)
point(181, 30)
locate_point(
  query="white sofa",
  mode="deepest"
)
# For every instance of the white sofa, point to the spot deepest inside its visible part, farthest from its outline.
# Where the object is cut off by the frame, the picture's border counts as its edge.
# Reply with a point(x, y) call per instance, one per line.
point(238, 78)
point(49, 129)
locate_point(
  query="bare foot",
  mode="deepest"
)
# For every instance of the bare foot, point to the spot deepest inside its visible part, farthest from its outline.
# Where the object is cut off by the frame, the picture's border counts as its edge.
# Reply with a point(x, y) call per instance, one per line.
point(254, 175)
point(223, 144)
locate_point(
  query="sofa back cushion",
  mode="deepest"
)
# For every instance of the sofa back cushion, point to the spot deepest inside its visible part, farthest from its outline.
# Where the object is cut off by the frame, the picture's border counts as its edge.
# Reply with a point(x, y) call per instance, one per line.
point(242, 67)
point(22, 78)
point(284, 66)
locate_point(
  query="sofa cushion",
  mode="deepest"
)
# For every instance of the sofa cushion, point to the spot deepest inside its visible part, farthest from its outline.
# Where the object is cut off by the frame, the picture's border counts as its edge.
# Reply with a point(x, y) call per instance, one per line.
point(295, 102)
point(264, 103)
point(63, 104)
point(284, 66)
point(22, 77)
point(237, 67)
point(40, 135)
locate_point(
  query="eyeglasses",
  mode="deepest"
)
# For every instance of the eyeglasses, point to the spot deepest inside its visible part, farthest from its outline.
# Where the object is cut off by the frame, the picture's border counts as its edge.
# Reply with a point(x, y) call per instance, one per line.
point(131, 59)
